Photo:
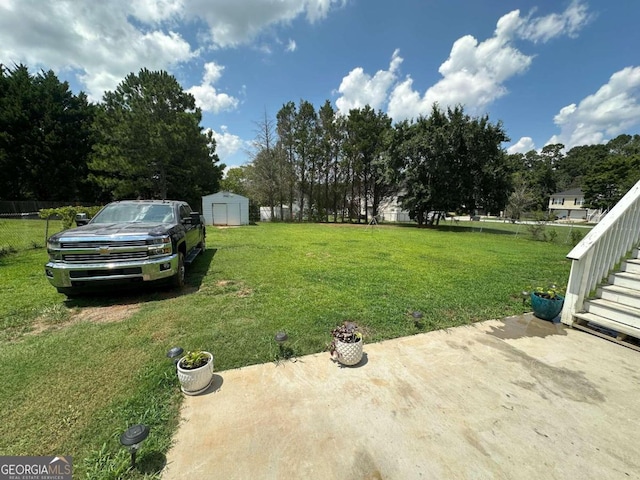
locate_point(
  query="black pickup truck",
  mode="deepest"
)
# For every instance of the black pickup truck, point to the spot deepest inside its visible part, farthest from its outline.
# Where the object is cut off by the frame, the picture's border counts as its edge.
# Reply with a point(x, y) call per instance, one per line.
point(126, 242)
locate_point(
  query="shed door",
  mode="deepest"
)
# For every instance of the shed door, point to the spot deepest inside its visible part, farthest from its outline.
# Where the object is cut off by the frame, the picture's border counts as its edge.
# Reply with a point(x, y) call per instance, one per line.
point(219, 213)
point(233, 214)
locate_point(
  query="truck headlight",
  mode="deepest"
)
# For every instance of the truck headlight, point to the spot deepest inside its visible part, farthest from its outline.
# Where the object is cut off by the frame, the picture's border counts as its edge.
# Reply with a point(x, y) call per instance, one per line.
point(53, 249)
point(160, 246)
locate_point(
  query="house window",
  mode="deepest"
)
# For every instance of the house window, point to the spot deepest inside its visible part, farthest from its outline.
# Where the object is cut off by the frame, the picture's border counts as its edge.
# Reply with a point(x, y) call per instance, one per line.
point(557, 201)
point(579, 201)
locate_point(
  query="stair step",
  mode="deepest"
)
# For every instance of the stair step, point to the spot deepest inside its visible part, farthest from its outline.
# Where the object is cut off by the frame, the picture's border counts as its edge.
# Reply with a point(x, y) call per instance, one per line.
point(625, 279)
point(608, 324)
point(192, 256)
point(625, 296)
point(614, 311)
point(631, 266)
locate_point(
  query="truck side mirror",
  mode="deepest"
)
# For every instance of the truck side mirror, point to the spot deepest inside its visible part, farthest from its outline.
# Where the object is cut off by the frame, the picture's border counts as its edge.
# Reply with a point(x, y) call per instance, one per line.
point(195, 218)
point(81, 219)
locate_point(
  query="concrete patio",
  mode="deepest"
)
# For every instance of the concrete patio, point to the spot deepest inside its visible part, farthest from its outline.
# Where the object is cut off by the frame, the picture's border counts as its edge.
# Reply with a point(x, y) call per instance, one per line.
point(518, 398)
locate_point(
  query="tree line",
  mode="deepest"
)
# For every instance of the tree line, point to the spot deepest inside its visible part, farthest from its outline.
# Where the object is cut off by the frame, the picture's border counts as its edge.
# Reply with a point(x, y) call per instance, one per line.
point(342, 167)
point(604, 172)
point(143, 140)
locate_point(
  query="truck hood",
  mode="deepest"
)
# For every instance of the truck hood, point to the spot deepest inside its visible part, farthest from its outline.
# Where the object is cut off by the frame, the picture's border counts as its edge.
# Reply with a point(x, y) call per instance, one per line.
point(113, 229)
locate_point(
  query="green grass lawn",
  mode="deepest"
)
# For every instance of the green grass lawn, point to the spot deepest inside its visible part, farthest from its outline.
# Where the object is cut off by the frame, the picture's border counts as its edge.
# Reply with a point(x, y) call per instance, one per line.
point(76, 373)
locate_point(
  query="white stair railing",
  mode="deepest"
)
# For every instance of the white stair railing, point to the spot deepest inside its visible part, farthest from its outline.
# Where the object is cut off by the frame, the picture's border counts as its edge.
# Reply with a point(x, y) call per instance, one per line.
point(600, 250)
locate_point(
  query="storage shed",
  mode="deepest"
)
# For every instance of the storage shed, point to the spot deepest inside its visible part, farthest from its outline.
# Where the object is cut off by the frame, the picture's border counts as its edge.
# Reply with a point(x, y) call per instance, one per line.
point(225, 208)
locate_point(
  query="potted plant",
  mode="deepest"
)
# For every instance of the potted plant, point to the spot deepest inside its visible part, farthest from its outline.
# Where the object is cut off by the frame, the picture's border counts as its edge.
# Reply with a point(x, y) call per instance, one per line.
point(195, 372)
point(547, 302)
point(346, 346)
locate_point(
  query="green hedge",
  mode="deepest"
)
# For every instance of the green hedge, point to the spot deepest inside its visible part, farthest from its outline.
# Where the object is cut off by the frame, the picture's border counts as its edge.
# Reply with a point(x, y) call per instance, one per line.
point(68, 214)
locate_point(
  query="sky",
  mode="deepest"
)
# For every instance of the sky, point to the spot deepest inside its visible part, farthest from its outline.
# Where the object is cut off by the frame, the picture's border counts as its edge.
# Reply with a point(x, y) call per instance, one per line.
point(551, 71)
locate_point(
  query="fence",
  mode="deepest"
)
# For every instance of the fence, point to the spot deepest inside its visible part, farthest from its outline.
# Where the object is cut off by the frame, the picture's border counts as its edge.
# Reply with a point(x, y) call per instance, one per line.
point(25, 231)
point(21, 227)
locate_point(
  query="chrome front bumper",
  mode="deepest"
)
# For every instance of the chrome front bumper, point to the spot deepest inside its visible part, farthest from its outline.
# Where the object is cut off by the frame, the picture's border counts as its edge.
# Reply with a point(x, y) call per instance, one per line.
point(62, 275)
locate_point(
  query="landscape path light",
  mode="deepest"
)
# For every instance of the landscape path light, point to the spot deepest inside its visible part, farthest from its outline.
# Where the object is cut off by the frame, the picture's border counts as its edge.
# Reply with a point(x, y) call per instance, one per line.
point(174, 354)
point(281, 338)
point(133, 438)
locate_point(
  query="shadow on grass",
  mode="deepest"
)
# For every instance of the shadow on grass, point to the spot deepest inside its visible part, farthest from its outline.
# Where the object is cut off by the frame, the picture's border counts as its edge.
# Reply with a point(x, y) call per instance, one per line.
point(151, 463)
point(461, 227)
point(135, 293)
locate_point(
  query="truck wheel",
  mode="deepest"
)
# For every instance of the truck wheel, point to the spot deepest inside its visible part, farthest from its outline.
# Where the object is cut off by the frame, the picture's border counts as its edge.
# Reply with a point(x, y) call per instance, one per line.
point(178, 278)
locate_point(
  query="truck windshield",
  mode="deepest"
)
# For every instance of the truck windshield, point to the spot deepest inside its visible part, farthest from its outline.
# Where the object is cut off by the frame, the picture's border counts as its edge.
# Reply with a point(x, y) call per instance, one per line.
point(135, 212)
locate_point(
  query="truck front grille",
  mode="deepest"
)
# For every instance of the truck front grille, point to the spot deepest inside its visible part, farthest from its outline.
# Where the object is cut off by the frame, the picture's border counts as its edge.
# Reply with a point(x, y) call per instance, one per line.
point(104, 244)
point(106, 258)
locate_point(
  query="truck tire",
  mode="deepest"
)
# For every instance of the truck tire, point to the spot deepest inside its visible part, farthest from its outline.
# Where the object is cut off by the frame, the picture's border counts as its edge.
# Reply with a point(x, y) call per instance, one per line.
point(177, 281)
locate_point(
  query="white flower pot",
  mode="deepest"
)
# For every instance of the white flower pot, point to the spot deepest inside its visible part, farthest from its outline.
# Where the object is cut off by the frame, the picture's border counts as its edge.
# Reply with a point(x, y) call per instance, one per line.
point(196, 381)
point(348, 353)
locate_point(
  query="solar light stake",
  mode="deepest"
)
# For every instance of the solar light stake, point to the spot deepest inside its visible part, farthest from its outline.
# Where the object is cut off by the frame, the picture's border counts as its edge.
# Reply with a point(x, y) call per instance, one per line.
point(133, 438)
point(281, 338)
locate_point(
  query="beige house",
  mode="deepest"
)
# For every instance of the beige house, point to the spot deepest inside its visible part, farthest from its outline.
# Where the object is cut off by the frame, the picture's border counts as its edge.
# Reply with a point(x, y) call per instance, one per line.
point(569, 205)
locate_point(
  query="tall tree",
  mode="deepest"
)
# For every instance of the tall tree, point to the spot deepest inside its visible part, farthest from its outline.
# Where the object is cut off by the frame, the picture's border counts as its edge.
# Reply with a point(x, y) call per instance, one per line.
point(450, 161)
point(306, 149)
point(45, 137)
point(367, 133)
point(235, 181)
point(285, 128)
point(151, 144)
point(329, 148)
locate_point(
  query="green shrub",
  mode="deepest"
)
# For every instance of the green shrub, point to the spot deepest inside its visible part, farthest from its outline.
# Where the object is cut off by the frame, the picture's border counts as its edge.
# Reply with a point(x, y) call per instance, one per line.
point(68, 214)
point(576, 236)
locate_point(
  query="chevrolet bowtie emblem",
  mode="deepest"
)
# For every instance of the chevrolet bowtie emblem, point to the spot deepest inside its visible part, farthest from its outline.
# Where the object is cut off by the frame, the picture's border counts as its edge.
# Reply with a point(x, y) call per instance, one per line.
point(104, 250)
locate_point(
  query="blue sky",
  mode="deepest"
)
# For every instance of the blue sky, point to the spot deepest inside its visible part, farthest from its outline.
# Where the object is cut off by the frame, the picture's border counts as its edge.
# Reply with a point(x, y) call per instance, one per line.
point(551, 71)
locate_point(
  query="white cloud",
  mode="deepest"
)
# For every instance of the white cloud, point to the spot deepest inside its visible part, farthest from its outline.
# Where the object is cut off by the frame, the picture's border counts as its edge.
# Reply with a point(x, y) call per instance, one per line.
point(227, 144)
point(568, 23)
point(212, 72)
point(475, 73)
point(359, 89)
point(156, 11)
point(102, 42)
point(236, 23)
point(291, 46)
point(524, 145)
point(207, 97)
point(612, 110)
point(96, 39)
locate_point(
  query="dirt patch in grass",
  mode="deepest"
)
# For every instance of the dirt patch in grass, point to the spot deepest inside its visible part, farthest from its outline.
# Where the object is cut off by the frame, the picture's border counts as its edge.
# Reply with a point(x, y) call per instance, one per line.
point(107, 314)
point(103, 314)
point(227, 287)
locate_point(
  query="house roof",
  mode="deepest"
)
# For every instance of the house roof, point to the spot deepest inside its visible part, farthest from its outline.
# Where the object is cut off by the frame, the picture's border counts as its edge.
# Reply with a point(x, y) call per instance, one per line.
point(573, 192)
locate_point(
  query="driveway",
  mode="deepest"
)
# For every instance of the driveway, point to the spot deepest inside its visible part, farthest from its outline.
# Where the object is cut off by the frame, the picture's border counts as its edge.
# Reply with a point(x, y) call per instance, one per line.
point(518, 398)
